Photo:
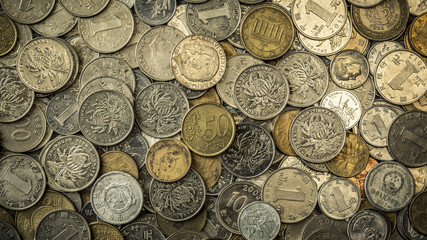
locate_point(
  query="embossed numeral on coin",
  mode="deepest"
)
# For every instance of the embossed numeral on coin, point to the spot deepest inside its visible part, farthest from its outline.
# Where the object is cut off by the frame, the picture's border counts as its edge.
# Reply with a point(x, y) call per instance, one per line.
point(25, 5)
point(214, 13)
point(215, 130)
point(105, 26)
point(66, 114)
point(12, 179)
point(415, 138)
point(67, 233)
point(22, 134)
point(289, 195)
point(380, 126)
point(339, 196)
point(321, 12)
point(403, 75)
point(238, 203)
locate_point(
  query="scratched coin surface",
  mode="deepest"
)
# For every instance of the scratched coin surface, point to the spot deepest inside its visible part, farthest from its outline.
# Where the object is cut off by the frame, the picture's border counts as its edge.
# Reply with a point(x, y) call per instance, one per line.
point(9, 34)
point(155, 12)
point(378, 51)
point(260, 216)
point(61, 113)
point(135, 231)
point(110, 30)
point(293, 192)
point(104, 83)
point(375, 122)
point(27, 12)
point(84, 9)
point(168, 160)
point(349, 69)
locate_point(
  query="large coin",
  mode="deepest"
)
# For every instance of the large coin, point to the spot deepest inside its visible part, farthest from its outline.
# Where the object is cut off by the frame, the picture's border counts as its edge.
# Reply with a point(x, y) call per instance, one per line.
point(87, 9)
point(349, 69)
point(155, 12)
point(9, 34)
point(317, 134)
point(70, 222)
point(208, 129)
point(267, 31)
point(27, 12)
point(261, 215)
point(261, 92)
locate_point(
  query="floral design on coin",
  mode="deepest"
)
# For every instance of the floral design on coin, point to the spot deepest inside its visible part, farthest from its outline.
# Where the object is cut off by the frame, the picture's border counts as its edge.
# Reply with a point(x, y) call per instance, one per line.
point(345, 104)
point(259, 220)
point(155, 12)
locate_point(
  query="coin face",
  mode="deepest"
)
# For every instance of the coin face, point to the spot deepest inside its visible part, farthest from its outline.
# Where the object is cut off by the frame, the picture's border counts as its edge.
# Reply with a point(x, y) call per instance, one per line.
point(67, 218)
point(349, 69)
point(267, 31)
point(317, 134)
point(268, 218)
point(357, 42)
point(378, 51)
point(179, 19)
point(168, 160)
point(416, 7)
point(208, 129)
point(135, 145)
point(24, 36)
point(212, 227)
point(179, 200)
point(377, 223)
point(100, 230)
point(198, 62)
point(84, 10)
point(9, 34)
point(62, 113)
point(209, 168)
point(417, 34)
point(345, 104)
point(134, 231)
point(27, 12)
point(374, 124)
point(104, 83)
point(282, 124)
point(155, 13)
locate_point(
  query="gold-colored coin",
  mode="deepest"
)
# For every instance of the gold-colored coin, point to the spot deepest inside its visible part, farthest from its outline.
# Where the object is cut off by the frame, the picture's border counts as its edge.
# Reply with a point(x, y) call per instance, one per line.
point(28, 219)
point(228, 49)
point(352, 159)
point(118, 161)
point(8, 34)
point(420, 178)
point(267, 31)
point(102, 231)
point(209, 168)
point(208, 129)
point(210, 96)
point(359, 179)
point(281, 126)
point(418, 34)
point(357, 42)
point(6, 217)
point(85, 197)
point(168, 160)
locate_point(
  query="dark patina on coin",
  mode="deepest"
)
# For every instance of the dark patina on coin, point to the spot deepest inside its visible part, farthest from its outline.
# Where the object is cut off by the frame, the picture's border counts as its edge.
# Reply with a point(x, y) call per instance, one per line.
point(8, 232)
point(63, 224)
point(406, 228)
point(417, 212)
point(212, 226)
point(135, 231)
point(323, 223)
point(369, 224)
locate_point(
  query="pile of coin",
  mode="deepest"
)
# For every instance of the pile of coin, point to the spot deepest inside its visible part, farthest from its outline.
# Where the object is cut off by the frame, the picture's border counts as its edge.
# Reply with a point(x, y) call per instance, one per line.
point(213, 119)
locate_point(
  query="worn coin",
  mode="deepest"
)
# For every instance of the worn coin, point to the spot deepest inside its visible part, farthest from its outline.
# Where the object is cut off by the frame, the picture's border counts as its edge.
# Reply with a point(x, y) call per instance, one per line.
point(27, 12)
point(187, 235)
point(212, 226)
point(72, 225)
point(365, 3)
point(144, 181)
point(179, 200)
point(135, 145)
point(378, 51)
point(224, 180)
point(210, 96)
point(189, 93)
point(9, 33)
point(295, 230)
point(195, 223)
point(392, 216)
point(420, 178)
point(88, 9)
point(209, 168)
point(118, 161)
point(235, 39)
point(357, 42)
point(75, 198)
point(417, 211)
point(322, 223)
point(58, 23)
point(138, 230)
point(62, 113)
point(155, 12)
point(179, 19)
point(369, 224)
point(149, 218)
point(8, 231)
point(359, 179)
point(417, 34)
point(375, 123)
point(88, 213)
point(345, 104)
point(280, 132)
point(259, 220)
point(24, 36)
point(141, 81)
point(106, 118)
point(6, 217)
point(110, 30)
point(417, 7)
point(349, 69)
point(104, 83)
point(101, 231)
point(267, 31)
point(198, 62)
point(406, 228)
point(86, 55)
point(317, 134)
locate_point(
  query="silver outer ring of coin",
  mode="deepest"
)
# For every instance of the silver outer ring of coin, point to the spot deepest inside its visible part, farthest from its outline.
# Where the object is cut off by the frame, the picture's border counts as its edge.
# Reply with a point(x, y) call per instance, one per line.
point(368, 5)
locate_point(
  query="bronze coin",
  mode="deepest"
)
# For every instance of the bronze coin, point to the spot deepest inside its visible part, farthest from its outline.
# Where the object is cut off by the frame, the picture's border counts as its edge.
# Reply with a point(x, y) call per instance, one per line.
point(8, 33)
point(281, 126)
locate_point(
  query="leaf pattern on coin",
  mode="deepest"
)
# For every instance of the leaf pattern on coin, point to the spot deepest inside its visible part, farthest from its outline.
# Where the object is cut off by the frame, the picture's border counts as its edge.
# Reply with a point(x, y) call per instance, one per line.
point(344, 111)
point(303, 76)
point(159, 7)
point(46, 63)
point(72, 166)
point(320, 135)
point(175, 197)
point(106, 116)
point(10, 92)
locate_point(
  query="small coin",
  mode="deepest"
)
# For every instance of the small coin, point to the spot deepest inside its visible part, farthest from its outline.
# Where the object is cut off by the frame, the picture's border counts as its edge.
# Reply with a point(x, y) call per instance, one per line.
point(263, 43)
point(378, 51)
point(209, 168)
point(24, 36)
point(198, 62)
point(359, 179)
point(369, 222)
point(179, 19)
point(9, 34)
point(282, 124)
point(417, 34)
point(89, 9)
point(349, 69)
point(8, 231)
point(101, 231)
point(212, 227)
point(27, 12)
point(135, 231)
point(417, 211)
point(260, 216)
point(208, 129)
point(345, 104)
point(118, 161)
point(61, 114)
point(168, 160)
point(195, 223)
point(58, 23)
point(155, 13)
point(86, 55)
point(322, 223)
point(179, 200)
point(420, 178)
point(70, 220)
point(374, 124)
point(405, 226)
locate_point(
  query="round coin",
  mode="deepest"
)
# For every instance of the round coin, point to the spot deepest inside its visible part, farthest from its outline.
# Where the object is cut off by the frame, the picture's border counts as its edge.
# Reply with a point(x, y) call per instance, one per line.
point(85, 54)
point(101, 231)
point(359, 179)
point(8, 231)
point(118, 161)
point(324, 223)
point(24, 36)
point(349, 69)
point(282, 124)
point(195, 223)
point(62, 113)
point(104, 83)
point(345, 104)
point(417, 211)
point(417, 34)
point(72, 225)
point(209, 168)
point(375, 123)
point(369, 223)
point(79, 9)
point(135, 231)
point(260, 216)
point(9, 34)
point(405, 226)
point(155, 12)
point(27, 12)
point(378, 51)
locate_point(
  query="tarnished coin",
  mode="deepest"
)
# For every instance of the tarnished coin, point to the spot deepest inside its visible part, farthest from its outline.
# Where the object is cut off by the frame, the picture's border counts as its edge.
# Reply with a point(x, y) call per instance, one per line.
point(27, 12)
point(154, 49)
point(88, 213)
point(135, 231)
point(405, 226)
point(251, 153)
point(16, 99)
point(8, 231)
point(417, 212)
point(374, 124)
point(322, 223)
point(217, 19)
point(401, 77)
point(293, 192)
point(24, 35)
point(392, 216)
point(141, 81)
point(104, 83)
point(224, 180)
point(110, 30)
point(282, 124)
point(317, 134)
point(231, 201)
point(369, 224)
point(359, 179)
point(179, 19)
point(417, 34)
point(210, 96)
point(406, 139)
point(235, 39)
point(259, 220)
point(75, 198)
point(23, 181)
point(420, 178)
point(307, 76)
point(319, 20)
point(198, 62)
point(116, 197)
point(9, 34)
point(62, 113)
point(72, 225)
point(101, 231)
point(349, 69)
point(168, 160)
point(212, 227)
point(86, 55)
point(365, 3)
point(88, 9)
point(45, 65)
point(118, 161)
point(106, 118)
point(6, 217)
point(417, 7)
point(345, 104)
point(385, 21)
point(155, 12)
point(209, 168)
point(378, 51)
point(328, 235)
point(208, 129)
point(187, 235)
point(261, 92)
point(195, 223)
point(160, 108)
point(58, 23)
point(135, 145)
point(295, 230)
point(267, 31)
point(389, 186)
point(144, 181)
point(179, 200)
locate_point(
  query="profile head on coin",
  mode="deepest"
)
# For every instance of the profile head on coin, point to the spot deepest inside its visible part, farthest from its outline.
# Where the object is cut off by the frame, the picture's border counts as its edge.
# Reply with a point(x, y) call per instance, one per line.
point(349, 69)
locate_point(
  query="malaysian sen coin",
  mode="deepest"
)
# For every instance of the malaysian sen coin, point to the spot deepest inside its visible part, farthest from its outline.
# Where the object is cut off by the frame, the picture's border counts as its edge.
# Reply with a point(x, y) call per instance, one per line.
point(27, 12)
point(135, 231)
point(261, 216)
point(378, 51)
point(155, 12)
point(345, 104)
point(375, 123)
point(61, 222)
point(88, 9)
point(24, 35)
point(9, 33)
point(349, 69)
point(369, 222)
point(62, 113)
point(101, 231)
point(102, 84)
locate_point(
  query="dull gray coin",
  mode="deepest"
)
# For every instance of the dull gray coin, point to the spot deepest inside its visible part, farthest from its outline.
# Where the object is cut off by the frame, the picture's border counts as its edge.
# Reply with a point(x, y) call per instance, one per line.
point(259, 220)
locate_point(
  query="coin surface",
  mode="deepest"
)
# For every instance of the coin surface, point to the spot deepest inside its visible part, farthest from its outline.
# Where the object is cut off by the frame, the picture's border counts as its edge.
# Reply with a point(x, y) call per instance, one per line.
point(345, 104)
point(179, 200)
point(209, 168)
point(378, 51)
point(317, 134)
point(27, 12)
point(212, 227)
point(160, 109)
point(417, 210)
point(118, 161)
point(168, 160)
point(179, 19)
point(267, 31)
point(369, 222)
point(210, 96)
point(357, 42)
point(86, 55)
point(189, 93)
point(195, 223)
point(208, 129)
point(417, 7)
point(224, 180)
point(389, 186)
point(89, 9)
point(359, 179)
point(135, 145)
point(62, 114)
point(374, 124)
point(144, 181)
point(187, 235)
point(235, 39)
point(405, 141)
point(322, 223)
point(282, 124)
point(100, 231)
point(261, 216)
point(349, 69)
point(9, 34)
point(8, 231)
point(420, 178)
point(155, 13)
point(70, 220)
point(24, 36)
point(198, 62)
point(104, 83)
point(135, 231)
point(417, 34)
point(405, 226)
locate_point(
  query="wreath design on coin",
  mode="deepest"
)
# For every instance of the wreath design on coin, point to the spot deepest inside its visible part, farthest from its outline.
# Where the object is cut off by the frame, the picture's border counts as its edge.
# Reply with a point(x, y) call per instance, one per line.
point(119, 197)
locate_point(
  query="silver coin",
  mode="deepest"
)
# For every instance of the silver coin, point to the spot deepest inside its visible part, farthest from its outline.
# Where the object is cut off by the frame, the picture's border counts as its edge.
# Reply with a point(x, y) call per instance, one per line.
point(110, 30)
point(349, 69)
point(69, 224)
point(16, 99)
point(235, 38)
point(135, 145)
point(71, 163)
point(144, 181)
point(378, 51)
point(116, 197)
point(375, 123)
point(135, 231)
point(27, 12)
point(261, 92)
point(62, 114)
point(389, 186)
point(24, 35)
point(179, 19)
point(307, 76)
point(160, 108)
point(22, 180)
point(212, 226)
point(417, 7)
point(75, 198)
point(106, 118)
point(217, 19)
point(141, 81)
point(339, 198)
point(86, 55)
point(345, 104)
point(88, 213)
point(155, 12)
point(8, 231)
point(259, 220)
point(370, 223)
point(317, 134)
point(87, 9)
point(224, 180)
point(294, 231)
point(104, 83)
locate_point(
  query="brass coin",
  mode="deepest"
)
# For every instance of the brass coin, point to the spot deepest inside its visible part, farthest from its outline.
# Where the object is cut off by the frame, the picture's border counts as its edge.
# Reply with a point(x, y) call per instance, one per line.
point(359, 179)
point(267, 31)
point(8, 33)
point(418, 34)
point(101, 231)
point(209, 168)
point(118, 161)
point(208, 129)
point(168, 160)
point(352, 159)
point(210, 96)
point(282, 124)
